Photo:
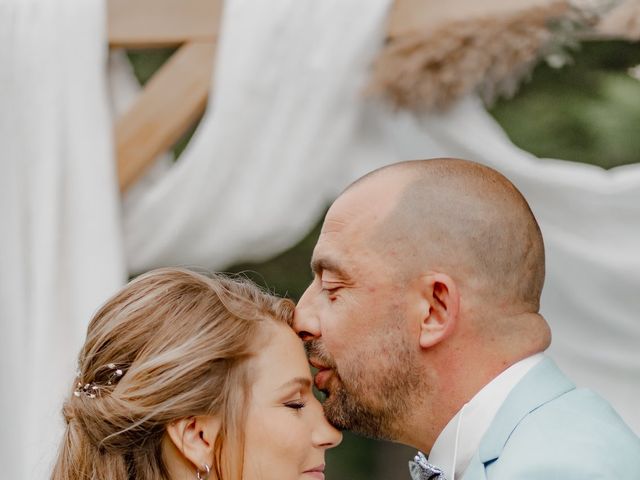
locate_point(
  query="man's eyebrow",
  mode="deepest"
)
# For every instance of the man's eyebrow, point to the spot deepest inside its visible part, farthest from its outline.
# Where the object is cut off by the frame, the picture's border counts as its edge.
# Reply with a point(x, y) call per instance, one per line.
point(320, 264)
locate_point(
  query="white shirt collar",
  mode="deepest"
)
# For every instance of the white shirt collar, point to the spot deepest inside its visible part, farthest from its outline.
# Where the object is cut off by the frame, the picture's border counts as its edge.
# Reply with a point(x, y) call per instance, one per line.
point(457, 443)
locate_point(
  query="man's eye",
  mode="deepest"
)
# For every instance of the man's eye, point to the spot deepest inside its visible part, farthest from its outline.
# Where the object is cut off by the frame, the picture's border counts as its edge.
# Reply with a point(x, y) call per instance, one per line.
point(296, 405)
point(330, 288)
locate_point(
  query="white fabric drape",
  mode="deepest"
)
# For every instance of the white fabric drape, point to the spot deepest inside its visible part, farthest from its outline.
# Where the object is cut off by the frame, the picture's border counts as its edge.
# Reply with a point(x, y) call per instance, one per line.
point(60, 251)
point(285, 104)
point(288, 126)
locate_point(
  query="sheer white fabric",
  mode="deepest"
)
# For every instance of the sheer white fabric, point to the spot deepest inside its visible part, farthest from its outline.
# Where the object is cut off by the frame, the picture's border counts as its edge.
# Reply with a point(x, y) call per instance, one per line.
point(270, 152)
point(288, 126)
point(60, 251)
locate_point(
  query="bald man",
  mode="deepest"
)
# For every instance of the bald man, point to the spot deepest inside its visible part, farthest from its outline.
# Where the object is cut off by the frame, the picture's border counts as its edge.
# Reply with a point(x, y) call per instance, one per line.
point(423, 322)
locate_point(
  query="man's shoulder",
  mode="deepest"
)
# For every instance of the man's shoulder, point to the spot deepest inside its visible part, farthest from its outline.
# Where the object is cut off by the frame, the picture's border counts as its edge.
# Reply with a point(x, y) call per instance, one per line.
point(577, 414)
point(548, 429)
point(577, 433)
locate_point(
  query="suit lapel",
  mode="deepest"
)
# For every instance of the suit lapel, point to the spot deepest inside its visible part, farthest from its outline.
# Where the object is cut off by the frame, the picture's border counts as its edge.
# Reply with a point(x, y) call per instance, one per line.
point(475, 470)
point(542, 384)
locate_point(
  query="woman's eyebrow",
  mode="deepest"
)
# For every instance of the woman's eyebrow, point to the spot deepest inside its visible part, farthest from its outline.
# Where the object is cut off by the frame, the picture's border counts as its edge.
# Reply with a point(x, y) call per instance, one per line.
point(303, 382)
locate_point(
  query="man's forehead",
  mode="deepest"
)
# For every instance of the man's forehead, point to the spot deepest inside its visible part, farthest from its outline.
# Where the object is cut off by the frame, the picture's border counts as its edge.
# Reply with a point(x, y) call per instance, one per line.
point(351, 221)
point(334, 225)
point(335, 246)
point(331, 246)
point(361, 207)
point(341, 229)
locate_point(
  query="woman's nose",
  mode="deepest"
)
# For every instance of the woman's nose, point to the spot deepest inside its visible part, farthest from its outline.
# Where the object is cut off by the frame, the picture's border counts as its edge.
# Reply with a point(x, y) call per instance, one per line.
point(325, 434)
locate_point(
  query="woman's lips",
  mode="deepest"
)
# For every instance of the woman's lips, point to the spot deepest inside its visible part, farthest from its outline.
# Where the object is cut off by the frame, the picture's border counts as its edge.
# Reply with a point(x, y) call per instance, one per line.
point(318, 475)
point(317, 472)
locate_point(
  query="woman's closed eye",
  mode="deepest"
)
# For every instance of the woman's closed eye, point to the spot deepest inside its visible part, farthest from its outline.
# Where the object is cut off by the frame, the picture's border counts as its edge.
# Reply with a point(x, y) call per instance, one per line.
point(296, 404)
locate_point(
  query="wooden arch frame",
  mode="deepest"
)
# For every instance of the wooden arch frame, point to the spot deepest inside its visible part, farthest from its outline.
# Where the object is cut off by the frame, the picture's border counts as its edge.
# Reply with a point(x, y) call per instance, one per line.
point(177, 94)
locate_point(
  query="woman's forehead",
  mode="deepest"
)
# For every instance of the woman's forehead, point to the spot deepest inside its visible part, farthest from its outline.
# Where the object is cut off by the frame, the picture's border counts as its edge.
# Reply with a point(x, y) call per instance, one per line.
point(281, 360)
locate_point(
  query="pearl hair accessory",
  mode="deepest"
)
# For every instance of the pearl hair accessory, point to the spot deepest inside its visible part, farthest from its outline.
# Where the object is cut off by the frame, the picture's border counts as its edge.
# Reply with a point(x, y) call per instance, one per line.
point(91, 390)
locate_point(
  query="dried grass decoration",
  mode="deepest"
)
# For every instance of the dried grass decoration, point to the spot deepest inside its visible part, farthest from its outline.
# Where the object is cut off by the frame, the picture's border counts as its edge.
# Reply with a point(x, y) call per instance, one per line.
point(490, 55)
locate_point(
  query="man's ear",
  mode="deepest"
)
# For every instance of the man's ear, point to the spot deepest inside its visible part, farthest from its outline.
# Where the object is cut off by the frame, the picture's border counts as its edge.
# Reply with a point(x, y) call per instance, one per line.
point(442, 305)
point(194, 437)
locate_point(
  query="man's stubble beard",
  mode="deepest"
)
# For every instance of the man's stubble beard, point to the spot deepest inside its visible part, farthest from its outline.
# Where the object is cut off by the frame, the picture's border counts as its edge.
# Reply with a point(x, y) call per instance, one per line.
point(375, 403)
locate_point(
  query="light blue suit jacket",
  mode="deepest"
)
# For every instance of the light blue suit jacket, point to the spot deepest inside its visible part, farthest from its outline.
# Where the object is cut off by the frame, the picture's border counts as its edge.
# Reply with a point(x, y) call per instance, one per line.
point(549, 430)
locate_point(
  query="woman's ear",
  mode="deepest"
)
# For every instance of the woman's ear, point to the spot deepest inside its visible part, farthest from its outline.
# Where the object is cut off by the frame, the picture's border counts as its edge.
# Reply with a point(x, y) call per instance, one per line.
point(442, 305)
point(194, 438)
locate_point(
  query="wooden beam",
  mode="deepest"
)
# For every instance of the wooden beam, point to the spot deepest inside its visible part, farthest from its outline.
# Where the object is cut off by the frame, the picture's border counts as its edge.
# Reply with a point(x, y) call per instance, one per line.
point(162, 23)
point(409, 16)
point(171, 101)
point(622, 22)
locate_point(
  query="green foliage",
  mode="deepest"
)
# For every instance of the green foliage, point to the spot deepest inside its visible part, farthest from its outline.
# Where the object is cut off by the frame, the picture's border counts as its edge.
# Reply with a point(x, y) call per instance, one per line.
point(354, 459)
point(146, 62)
point(588, 111)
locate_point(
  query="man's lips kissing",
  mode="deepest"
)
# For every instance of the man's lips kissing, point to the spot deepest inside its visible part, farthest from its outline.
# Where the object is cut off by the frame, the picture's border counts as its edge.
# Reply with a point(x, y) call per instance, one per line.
point(324, 373)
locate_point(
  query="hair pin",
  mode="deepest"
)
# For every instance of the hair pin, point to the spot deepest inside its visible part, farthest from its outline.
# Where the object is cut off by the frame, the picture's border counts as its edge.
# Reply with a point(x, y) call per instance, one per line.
point(91, 390)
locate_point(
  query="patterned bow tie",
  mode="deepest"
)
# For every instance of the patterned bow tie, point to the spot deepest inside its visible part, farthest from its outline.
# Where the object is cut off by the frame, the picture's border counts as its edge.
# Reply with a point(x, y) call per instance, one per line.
point(422, 470)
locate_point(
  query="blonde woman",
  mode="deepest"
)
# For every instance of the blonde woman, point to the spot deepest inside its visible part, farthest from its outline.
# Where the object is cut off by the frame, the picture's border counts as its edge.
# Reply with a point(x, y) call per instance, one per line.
point(184, 376)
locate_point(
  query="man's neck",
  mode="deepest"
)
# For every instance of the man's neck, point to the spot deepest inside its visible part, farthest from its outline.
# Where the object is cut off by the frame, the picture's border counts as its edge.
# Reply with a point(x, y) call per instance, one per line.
point(456, 445)
point(448, 393)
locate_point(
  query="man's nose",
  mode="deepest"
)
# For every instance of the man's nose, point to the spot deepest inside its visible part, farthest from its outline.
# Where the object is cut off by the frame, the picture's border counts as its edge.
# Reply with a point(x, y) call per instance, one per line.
point(305, 319)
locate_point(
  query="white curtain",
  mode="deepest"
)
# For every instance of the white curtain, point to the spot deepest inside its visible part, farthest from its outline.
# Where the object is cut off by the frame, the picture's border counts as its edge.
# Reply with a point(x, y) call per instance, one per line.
point(287, 127)
point(60, 250)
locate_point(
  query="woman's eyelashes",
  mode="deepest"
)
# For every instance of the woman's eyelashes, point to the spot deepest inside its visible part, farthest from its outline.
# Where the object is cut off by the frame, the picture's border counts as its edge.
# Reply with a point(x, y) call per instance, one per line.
point(296, 404)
